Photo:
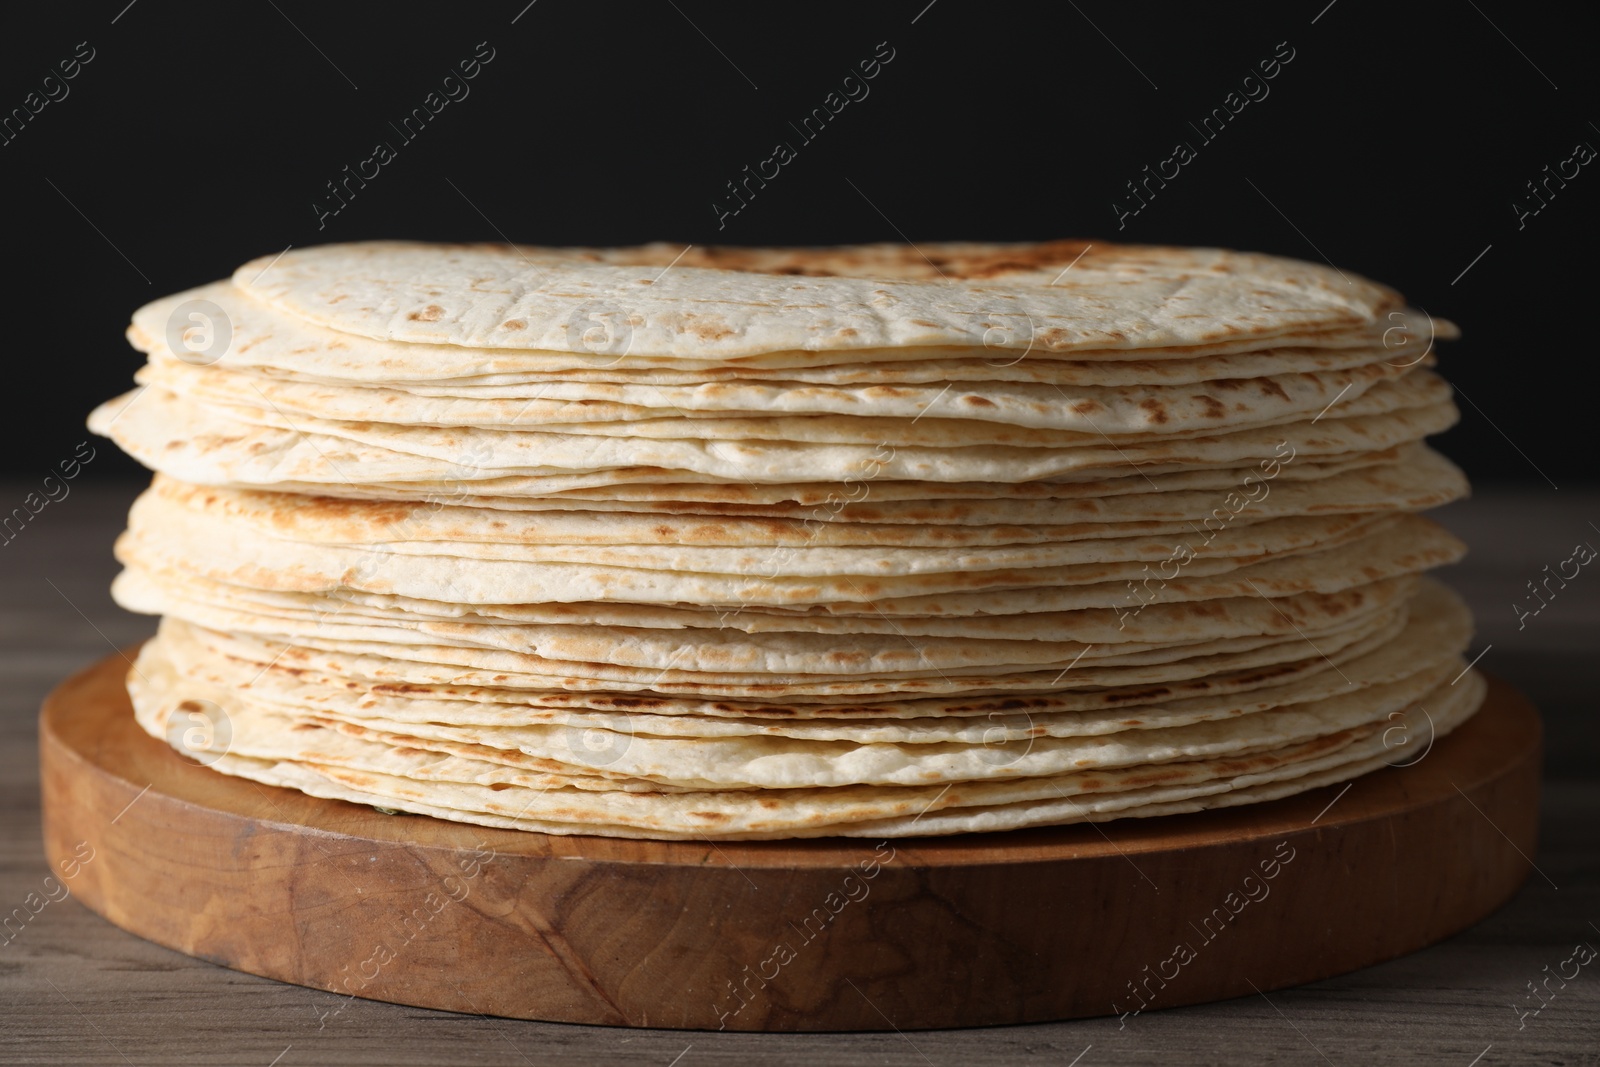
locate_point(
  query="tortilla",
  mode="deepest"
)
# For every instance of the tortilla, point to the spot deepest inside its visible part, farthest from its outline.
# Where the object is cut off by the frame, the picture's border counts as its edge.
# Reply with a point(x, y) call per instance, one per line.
point(762, 543)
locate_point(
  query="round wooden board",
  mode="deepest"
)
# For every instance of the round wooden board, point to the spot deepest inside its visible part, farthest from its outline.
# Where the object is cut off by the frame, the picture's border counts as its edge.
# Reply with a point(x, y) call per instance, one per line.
point(834, 934)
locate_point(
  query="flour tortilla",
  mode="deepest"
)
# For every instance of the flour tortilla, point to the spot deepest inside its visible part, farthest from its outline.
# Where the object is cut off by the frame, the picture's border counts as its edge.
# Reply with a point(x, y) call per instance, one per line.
point(768, 762)
point(1084, 498)
point(208, 447)
point(958, 808)
point(1083, 689)
point(1114, 298)
point(1039, 415)
point(1092, 635)
point(673, 543)
point(1436, 619)
point(210, 518)
point(246, 446)
point(1418, 480)
point(776, 659)
point(750, 408)
point(404, 663)
point(1083, 495)
point(659, 574)
point(784, 762)
point(1373, 753)
point(1410, 545)
point(266, 345)
point(239, 609)
point(1427, 638)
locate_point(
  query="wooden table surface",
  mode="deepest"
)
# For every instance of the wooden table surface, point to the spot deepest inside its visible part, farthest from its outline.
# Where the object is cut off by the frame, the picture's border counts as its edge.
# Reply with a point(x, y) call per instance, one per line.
point(74, 989)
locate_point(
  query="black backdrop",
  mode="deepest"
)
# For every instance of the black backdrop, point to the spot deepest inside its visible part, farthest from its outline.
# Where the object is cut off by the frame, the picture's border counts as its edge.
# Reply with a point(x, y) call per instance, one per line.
point(1394, 141)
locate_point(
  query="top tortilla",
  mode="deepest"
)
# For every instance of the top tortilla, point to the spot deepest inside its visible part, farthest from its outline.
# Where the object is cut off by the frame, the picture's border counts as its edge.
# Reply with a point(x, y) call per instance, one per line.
point(640, 303)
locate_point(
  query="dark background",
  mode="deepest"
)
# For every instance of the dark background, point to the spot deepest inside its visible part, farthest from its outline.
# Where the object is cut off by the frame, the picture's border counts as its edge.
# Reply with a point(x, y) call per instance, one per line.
point(1393, 145)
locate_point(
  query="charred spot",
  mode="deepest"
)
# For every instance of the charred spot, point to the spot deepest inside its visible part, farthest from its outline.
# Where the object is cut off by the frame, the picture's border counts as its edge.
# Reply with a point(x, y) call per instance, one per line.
point(1155, 778)
point(778, 711)
point(1020, 259)
point(1155, 409)
point(1147, 694)
point(635, 702)
point(398, 688)
point(710, 330)
point(1265, 674)
point(431, 313)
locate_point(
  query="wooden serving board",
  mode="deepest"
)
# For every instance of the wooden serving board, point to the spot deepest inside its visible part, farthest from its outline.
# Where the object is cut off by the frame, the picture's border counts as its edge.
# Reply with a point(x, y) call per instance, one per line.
point(837, 934)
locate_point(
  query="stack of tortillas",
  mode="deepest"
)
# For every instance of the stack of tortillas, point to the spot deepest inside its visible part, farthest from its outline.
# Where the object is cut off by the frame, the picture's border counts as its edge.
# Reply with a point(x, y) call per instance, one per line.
point(783, 543)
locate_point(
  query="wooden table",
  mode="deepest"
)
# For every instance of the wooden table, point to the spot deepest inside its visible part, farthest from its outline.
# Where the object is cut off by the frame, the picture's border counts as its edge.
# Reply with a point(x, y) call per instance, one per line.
point(74, 989)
